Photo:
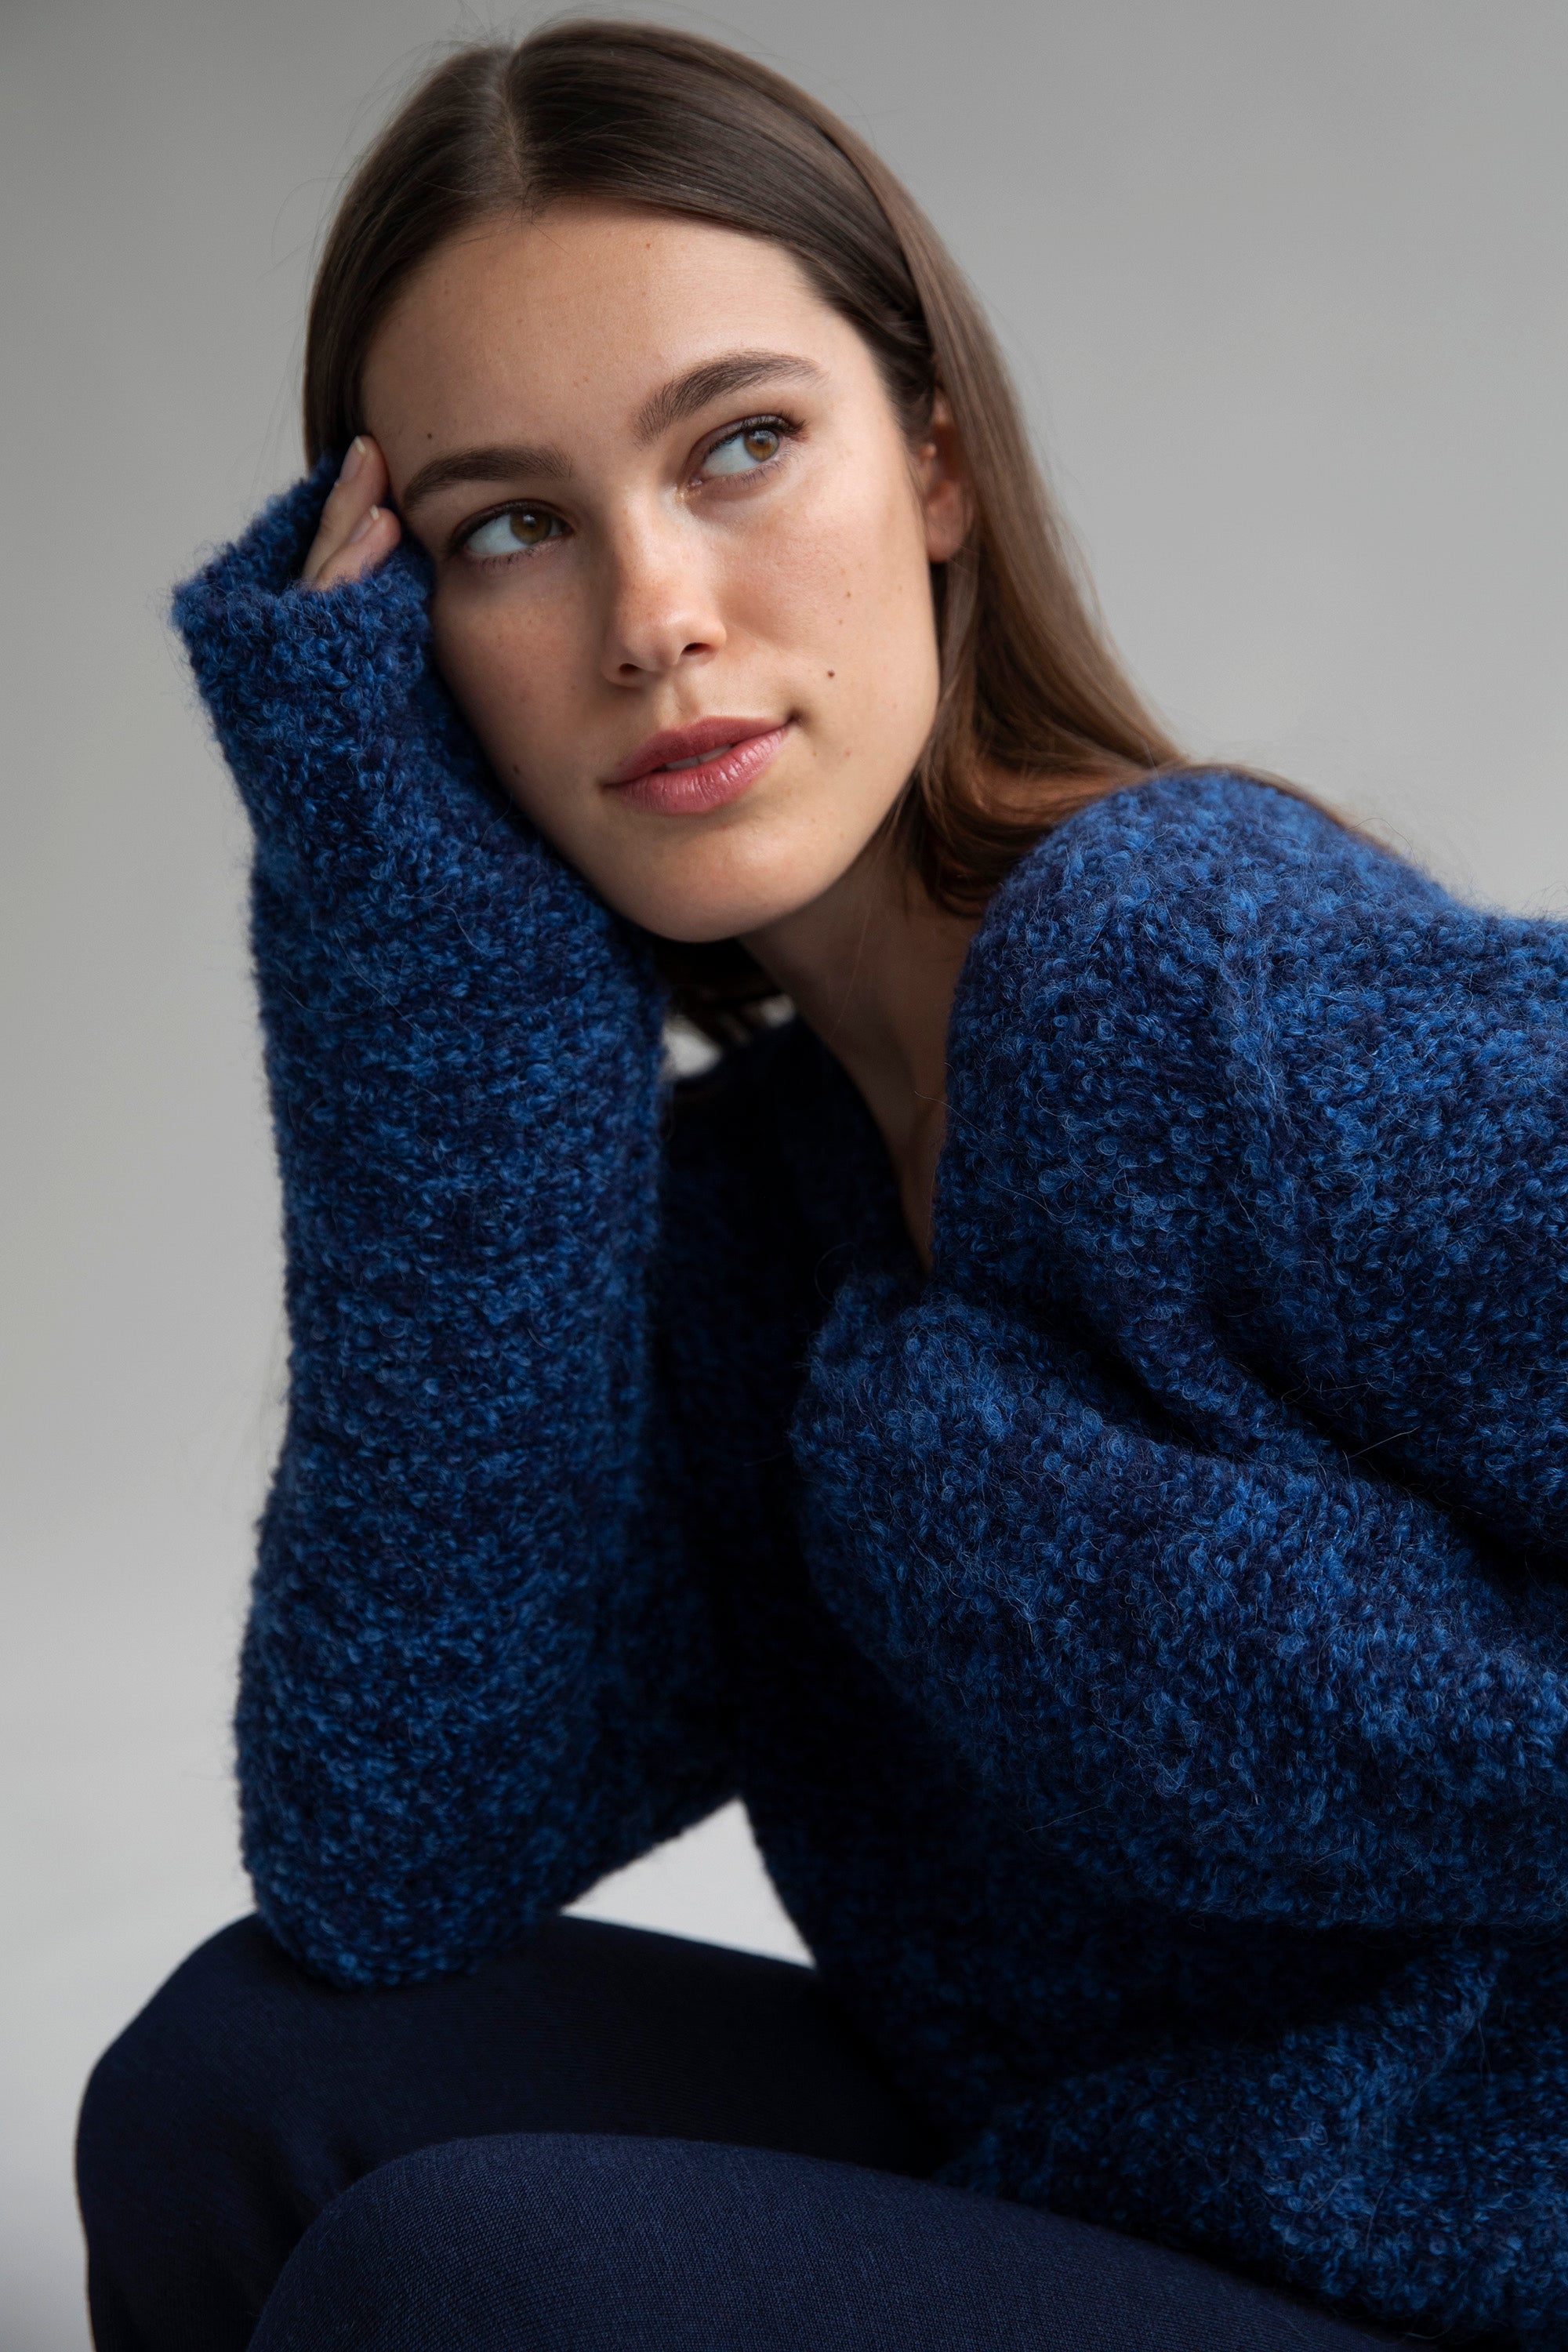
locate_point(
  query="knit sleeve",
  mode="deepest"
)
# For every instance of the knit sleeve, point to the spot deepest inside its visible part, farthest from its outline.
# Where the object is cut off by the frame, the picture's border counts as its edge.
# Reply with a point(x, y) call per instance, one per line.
point(1212, 1493)
point(479, 1670)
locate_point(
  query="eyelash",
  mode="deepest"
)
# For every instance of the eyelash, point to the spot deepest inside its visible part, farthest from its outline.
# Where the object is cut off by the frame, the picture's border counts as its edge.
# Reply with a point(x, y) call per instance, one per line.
point(787, 429)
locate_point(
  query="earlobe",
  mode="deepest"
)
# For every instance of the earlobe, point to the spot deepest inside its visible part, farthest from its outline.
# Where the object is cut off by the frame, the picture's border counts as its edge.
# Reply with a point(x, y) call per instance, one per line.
point(949, 507)
point(948, 513)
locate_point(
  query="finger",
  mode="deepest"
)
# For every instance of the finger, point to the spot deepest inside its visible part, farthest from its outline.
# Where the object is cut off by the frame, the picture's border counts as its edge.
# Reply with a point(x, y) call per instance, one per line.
point(370, 542)
point(360, 485)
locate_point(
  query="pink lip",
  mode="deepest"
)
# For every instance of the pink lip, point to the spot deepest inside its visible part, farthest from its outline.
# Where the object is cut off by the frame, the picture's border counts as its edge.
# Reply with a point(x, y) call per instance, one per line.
point(742, 750)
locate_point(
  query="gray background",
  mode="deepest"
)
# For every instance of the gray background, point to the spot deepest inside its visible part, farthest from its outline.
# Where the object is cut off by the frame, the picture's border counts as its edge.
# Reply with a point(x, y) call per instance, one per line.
point(1283, 286)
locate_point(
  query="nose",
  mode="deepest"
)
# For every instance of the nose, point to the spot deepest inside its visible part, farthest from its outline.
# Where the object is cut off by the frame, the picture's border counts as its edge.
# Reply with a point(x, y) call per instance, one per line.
point(661, 612)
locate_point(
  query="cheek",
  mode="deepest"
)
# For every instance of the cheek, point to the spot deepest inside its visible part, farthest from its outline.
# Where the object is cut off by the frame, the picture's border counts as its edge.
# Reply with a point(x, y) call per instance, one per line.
point(512, 671)
point(843, 580)
point(493, 656)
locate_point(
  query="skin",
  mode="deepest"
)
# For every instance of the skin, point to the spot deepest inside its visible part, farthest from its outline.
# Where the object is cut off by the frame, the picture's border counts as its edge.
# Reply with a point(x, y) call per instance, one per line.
point(635, 570)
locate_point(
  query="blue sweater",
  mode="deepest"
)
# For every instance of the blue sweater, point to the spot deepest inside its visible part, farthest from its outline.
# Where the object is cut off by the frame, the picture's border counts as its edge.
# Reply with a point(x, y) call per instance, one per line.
point(1141, 1645)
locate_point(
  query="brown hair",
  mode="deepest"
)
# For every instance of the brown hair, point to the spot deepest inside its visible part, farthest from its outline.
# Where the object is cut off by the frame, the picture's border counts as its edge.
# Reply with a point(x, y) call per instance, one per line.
point(635, 114)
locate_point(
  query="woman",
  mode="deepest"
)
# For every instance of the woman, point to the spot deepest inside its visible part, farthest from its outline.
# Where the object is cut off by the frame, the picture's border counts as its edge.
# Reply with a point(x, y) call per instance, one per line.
point(1070, 1427)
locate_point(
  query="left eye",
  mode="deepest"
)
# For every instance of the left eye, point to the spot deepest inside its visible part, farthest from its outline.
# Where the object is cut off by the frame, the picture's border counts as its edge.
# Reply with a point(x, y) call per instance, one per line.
point(744, 451)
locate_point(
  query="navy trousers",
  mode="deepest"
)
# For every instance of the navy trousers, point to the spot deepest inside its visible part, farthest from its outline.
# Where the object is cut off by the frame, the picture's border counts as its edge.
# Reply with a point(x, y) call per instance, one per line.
point(606, 2140)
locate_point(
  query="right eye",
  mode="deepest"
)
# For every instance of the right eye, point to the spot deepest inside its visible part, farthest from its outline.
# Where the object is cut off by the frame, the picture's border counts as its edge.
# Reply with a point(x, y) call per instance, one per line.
point(518, 532)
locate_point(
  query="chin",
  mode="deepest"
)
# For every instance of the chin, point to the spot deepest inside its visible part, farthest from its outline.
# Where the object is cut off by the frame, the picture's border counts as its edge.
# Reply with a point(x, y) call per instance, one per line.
point(696, 922)
point(697, 906)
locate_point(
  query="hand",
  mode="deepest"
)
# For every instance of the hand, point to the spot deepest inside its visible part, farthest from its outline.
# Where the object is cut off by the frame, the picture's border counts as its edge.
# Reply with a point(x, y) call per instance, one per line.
point(358, 530)
point(373, 811)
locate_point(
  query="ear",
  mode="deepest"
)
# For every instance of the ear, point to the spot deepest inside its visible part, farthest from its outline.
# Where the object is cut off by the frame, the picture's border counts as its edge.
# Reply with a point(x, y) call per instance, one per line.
point(945, 498)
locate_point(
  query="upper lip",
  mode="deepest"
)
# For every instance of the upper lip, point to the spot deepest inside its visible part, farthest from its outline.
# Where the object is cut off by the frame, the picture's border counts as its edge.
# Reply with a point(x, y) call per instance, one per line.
point(688, 744)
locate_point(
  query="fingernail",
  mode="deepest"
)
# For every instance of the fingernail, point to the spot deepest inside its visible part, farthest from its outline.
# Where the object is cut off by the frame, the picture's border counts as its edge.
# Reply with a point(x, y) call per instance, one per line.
point(366, 524)
point(355, 459)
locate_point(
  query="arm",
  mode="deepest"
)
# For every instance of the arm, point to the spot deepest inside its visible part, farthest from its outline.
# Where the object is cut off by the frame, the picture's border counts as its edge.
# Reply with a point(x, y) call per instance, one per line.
point(478, 1674)
point(1238, 1688)
point(1084, 1498)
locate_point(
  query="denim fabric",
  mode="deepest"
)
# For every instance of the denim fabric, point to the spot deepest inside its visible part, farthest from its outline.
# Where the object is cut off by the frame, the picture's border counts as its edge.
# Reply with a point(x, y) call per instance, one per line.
point(608, 2138)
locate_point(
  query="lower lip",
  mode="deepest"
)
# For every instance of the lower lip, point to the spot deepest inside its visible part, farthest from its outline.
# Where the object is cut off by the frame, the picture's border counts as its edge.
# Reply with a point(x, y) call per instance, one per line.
point(687, 792)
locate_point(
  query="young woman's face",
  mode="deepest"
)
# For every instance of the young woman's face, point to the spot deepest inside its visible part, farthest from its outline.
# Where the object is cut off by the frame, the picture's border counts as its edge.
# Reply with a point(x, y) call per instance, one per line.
point(670, 508)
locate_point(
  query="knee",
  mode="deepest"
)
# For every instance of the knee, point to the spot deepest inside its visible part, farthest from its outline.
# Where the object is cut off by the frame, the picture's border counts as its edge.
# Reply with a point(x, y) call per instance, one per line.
point(428, 2251)
point(604, 2242)
point(500, 2244)
point(195, 2059)
point(180, 2204)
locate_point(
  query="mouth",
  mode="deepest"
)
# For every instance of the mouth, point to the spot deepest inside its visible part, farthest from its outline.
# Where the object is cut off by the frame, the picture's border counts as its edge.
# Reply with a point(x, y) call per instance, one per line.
point(687, 770)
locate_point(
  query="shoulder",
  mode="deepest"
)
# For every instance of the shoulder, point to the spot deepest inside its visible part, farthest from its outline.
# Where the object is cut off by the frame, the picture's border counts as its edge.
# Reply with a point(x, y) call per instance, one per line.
point(1205, 852)
point(1120, 1013)
point(1207, 975)
point(1217, 888)
point(1142, 906)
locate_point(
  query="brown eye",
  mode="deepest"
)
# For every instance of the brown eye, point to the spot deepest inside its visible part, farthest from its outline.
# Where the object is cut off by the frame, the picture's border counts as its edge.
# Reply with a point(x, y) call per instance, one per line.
point(743, 451)
point(519, 528)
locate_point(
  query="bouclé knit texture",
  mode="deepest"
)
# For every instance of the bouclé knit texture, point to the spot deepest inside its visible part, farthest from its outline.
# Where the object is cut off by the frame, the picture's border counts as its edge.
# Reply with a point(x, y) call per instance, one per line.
point(1141, 1645)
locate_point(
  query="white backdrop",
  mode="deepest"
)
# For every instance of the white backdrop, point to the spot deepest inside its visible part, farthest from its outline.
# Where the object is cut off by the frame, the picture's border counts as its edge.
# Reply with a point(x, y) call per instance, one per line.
point(1284, 289)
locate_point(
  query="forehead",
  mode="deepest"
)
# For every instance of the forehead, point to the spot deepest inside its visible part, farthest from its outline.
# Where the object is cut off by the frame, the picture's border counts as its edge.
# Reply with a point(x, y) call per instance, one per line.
point(580, 314)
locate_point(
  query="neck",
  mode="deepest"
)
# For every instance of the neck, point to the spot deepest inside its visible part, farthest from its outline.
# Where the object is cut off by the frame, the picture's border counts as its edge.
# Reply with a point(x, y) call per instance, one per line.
point(872, 966)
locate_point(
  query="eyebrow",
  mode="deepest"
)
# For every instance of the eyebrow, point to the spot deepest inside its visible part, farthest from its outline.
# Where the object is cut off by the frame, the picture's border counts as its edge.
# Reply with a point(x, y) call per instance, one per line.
point(737, 371)
point(504, 461)
point(501, 462)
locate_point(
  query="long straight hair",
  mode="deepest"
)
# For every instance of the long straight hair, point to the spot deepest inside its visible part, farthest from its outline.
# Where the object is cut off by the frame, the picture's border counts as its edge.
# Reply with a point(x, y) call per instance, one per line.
point(1031, 691)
